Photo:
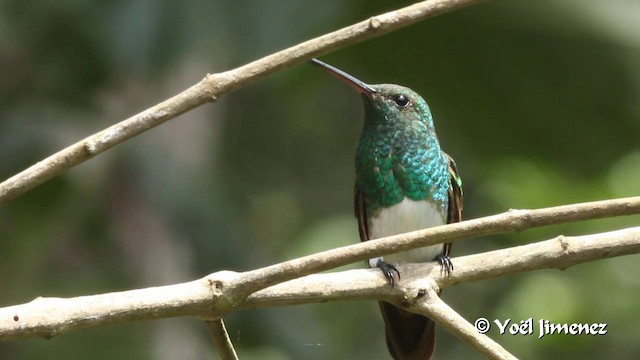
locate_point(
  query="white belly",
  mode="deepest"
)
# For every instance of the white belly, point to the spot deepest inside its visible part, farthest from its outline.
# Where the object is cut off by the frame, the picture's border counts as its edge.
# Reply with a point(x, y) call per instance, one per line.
point(406, 216)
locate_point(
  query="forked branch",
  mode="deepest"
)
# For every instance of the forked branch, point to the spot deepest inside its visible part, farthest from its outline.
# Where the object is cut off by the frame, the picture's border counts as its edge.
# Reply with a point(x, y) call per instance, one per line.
point(208, 297)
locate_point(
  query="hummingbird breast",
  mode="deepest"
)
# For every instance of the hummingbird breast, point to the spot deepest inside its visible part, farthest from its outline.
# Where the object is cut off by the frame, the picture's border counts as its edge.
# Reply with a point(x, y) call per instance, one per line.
point(405, 216)
point(395, 162)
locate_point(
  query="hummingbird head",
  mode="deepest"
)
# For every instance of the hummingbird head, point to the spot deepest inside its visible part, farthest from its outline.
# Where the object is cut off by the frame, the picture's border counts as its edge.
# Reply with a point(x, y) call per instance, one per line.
point(398, 154)
point(392, 102)
point(385, 102)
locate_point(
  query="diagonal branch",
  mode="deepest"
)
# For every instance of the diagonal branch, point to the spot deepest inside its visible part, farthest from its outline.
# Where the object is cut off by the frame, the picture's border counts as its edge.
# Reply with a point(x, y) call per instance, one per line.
point(206, 297)
point(215, 85)
point(221, 339)
point(430, 304)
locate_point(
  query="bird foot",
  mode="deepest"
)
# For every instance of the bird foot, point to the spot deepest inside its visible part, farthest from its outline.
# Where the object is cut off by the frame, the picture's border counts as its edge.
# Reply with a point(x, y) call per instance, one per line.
point(388, 270)
point(445, 262)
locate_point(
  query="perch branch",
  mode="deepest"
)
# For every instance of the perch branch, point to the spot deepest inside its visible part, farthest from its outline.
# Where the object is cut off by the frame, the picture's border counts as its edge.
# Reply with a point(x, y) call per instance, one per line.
point(513, 220)
point(558, 253)
point(207, 297)
point(215, 85)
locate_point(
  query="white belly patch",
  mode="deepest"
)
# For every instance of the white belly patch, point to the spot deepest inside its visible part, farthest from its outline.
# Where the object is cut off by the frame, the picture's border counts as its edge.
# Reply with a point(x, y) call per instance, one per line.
point(408, 215)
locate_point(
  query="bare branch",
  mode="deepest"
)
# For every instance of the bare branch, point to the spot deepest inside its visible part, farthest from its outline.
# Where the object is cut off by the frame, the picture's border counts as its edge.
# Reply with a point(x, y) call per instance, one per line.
point(430, 304)
point(513, 220)
point(208, 297)
point(221, 339)
point(105, 139)
point(557, 253)
point(215, 85)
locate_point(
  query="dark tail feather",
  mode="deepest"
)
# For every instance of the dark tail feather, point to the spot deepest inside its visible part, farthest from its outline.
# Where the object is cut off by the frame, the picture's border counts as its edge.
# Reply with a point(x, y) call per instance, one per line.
point(409, 336)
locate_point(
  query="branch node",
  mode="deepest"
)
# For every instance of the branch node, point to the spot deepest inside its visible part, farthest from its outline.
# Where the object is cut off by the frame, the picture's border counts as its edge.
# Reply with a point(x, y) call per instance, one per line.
point(224, 290)
point(564, 243)
point(217, 286)
point(374, 23)
point(90, 147)
point(213, 86)
point(405, 301)
point(419, 290)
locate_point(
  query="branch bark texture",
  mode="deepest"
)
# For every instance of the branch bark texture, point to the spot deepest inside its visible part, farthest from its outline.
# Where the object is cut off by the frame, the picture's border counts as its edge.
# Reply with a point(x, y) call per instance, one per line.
point(206, 297)
point(511, 221)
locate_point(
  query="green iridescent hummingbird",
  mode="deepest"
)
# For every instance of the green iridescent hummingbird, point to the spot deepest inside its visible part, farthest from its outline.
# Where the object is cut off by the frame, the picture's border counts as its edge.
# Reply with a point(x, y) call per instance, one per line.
point(404, 182)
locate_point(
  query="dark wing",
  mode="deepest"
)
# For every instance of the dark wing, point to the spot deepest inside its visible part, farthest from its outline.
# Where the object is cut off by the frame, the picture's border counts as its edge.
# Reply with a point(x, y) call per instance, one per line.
point(455, 198)
point(361, 215)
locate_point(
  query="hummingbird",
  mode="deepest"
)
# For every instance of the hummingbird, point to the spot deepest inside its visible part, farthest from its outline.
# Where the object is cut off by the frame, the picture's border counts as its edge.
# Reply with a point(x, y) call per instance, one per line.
point(404, 182)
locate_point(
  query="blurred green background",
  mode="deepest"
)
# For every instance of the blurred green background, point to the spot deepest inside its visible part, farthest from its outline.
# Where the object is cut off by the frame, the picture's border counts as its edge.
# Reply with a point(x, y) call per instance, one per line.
point(538, 101)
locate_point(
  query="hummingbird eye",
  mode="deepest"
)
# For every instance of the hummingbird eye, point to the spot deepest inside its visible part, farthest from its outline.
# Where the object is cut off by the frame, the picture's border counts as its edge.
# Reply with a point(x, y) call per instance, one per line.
point(401, 100)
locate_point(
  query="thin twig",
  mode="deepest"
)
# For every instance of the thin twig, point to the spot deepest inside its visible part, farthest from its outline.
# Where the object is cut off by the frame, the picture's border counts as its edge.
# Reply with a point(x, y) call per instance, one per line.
point(206, 297)
point(213, 86)
point(221, 339)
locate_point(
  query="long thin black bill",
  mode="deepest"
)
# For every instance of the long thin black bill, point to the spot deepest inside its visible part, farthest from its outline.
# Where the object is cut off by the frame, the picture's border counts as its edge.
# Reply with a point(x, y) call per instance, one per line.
point(359, 85)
